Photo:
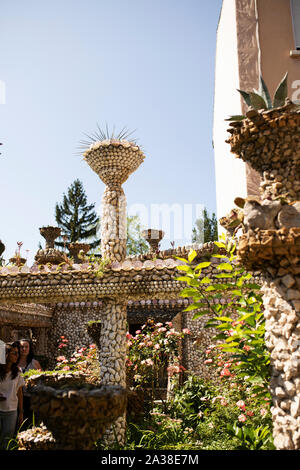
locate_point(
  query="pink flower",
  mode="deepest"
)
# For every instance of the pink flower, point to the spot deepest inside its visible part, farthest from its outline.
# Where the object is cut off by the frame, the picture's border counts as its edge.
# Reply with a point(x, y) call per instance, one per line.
point(66, 368)
point(148, 362)
point(128, 336)
point(242, 418)
point(225, 373)
point(223, 402)
point(263, 411)
point(169, 323)
point(208, 361)
point(173, 370)
point(158, 325)
point(156, 346)
point(250, 413)
point(241, 405)
point(246, 347)
point(208, 351)
point(60, 358)
point(138, 332)
point(186, 331)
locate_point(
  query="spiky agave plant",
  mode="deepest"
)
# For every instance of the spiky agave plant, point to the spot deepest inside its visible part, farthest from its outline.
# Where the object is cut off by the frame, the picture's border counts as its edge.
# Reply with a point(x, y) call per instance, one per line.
point(104, 134)
point(261, 99)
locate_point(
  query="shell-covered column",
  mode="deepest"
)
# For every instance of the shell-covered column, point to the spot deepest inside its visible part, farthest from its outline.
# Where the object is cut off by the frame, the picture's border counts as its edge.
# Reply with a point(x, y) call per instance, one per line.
point(114, 224)
point(113, 355)
point(283, 341)
point(113, 161)
point(277, 254)
point(269, 141)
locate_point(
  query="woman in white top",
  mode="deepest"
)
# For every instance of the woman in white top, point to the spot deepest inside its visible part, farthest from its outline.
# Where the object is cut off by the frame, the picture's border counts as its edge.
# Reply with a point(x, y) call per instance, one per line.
point(11, 395)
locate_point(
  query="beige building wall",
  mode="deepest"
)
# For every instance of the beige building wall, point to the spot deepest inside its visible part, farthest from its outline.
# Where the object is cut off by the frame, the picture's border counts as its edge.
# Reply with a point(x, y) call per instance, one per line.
point(230, 172)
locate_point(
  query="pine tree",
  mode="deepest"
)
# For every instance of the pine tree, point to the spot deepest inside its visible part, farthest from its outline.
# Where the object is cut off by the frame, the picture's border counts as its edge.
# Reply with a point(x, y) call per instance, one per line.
point(76, 218)
point(2, 249)
point(206, 229)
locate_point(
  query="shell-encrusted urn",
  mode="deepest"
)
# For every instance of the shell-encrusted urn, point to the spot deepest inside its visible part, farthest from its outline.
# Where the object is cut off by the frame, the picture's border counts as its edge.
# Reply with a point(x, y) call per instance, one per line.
point(114, 160)
point(50, 234)
point(76, 248)
point(50, 254)
point(153, 237)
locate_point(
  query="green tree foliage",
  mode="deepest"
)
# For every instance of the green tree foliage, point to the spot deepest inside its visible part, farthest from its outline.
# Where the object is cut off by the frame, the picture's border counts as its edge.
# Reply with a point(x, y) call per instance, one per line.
point(136, 244)
point(2, 249)
point(77, 219)
point(206, 228)
point(239, 321)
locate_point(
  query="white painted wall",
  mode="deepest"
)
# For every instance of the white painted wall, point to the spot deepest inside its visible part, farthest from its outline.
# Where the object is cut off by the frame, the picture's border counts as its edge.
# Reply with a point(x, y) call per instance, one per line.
point(230, 172)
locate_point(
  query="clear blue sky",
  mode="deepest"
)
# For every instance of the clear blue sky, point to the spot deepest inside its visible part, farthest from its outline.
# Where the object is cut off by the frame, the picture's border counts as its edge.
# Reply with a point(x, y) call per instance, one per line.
point(147, 65)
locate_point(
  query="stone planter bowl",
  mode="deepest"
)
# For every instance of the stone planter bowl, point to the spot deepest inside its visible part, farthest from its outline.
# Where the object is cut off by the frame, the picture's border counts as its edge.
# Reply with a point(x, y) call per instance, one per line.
point(76, 412)
point(50, 255)
point(50, 234)
point(17, 260)
point(75, 248)
point(114, 160)
point(153, 237)
point(269, 141)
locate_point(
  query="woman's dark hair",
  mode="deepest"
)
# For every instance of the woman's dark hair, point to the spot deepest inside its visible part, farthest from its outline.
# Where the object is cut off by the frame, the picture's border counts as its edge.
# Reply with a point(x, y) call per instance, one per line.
point(30, 354)
point(14, 368)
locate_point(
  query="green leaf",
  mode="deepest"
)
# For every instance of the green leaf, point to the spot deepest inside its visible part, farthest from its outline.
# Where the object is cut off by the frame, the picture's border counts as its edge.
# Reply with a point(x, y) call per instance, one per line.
point(182, 278)
point(228, 319)
point(193, 282)
point(264, 92)
point(185, 268)
point(205, 264)
point(225, 266)
point(246, 97)
point(220, 245)
point(224, 275)
point(281, 92)
point(193, 306)
point(236, 117)
point(200, 314)
point(188, 292)
point(257, 101)
point(205, 280)
point(192, 255)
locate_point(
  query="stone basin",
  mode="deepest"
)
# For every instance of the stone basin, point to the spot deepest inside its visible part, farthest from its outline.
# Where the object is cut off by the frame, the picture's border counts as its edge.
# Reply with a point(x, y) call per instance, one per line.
point(76, 412)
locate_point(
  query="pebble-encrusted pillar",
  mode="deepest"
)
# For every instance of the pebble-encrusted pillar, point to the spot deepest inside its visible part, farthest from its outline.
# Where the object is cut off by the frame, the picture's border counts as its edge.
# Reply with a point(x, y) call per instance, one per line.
point(269, 141)
point(114, 224)
point(113, 161)
point(282, 314)
point(113, 355)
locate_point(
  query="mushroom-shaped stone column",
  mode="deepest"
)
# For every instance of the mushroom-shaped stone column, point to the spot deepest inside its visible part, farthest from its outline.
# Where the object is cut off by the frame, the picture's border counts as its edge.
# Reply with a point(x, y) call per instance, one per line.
point(269, 141)
point(113, 161)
